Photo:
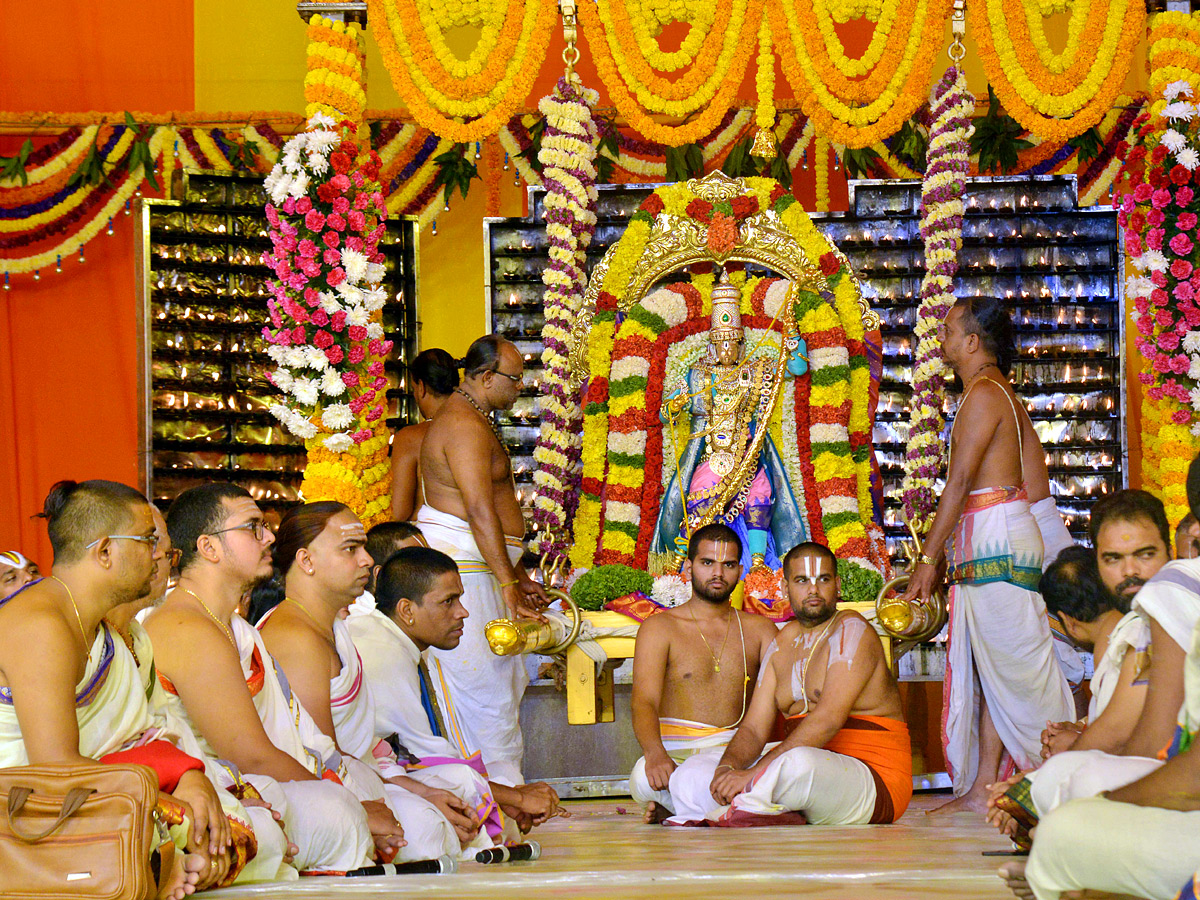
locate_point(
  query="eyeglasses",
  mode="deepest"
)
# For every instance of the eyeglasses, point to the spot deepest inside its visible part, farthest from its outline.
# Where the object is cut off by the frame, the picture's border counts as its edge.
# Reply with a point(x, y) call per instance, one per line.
point(516, 379)
point(150, 540)
point(256, 527)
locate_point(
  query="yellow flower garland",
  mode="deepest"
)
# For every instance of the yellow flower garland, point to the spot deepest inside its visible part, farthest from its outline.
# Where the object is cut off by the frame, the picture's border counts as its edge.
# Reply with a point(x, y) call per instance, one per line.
point(764, 79)
point(434, 96)
point(1055, 105)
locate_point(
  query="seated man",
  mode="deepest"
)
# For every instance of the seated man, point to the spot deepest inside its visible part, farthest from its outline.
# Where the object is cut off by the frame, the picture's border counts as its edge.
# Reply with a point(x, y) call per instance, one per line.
point(693, 667)
point(69, 691)
point(223, 684)
point(418, 605)
point(251, 819)
point(320, 553)
point(383, 540)
point(847, 756)
point(1139, 840)
point(16, 571)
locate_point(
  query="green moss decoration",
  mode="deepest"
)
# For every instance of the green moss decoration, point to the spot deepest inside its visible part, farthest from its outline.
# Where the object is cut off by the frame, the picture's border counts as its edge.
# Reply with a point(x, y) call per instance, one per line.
point(604, 583)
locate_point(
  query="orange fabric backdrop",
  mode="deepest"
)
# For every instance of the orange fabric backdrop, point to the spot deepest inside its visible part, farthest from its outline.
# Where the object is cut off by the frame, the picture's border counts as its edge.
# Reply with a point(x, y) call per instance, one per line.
point(68, 391)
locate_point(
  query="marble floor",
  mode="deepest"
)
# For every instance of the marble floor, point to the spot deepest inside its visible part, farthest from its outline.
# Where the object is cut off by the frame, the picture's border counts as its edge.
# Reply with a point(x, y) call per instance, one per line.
point(604, 852)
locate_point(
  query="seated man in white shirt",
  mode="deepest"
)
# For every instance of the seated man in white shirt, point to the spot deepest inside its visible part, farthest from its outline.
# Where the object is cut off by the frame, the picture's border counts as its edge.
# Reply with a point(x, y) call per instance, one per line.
point(417, 606)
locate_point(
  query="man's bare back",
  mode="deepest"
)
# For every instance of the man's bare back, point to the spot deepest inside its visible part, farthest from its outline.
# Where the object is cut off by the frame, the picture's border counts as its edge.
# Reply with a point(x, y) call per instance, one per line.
point(986, 417)
point(805, 658)
point(460, 435)
point(692, 687)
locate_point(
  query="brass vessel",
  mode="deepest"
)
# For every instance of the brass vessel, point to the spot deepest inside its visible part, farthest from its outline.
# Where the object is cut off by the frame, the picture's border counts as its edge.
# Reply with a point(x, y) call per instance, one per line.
point(916, 620)
point(507, 637)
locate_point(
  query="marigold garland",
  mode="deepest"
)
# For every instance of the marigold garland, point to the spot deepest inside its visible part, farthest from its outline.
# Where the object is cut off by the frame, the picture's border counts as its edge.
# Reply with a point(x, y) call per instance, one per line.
point(334, 84)
point(633, 93)
point(435, 96)
point(568, 155)
point(947, 164)
point(1056, 105)
point(859, 113)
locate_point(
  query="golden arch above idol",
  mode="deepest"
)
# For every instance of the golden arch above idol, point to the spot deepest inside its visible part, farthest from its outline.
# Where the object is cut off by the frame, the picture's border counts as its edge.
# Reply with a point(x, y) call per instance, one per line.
point(733, 395)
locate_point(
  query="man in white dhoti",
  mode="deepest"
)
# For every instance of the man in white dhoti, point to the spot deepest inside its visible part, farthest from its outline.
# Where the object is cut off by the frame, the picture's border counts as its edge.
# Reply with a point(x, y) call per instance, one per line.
point(320, 555)
point(69, 689)
point(846, 756)
point(418, 606)
point(471, 513)
point(693, 671)
point(1003, 682)
point(224, 685)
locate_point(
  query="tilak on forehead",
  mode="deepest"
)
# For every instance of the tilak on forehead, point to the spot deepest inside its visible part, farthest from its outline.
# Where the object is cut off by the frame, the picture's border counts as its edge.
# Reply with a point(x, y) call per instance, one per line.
point(14, 559)
point(354, 530)
point(812, 565)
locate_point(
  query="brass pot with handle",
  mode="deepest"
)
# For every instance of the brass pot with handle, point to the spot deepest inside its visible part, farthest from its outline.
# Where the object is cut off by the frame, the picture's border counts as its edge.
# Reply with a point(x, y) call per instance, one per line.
point(509, 637)
point(914, 620)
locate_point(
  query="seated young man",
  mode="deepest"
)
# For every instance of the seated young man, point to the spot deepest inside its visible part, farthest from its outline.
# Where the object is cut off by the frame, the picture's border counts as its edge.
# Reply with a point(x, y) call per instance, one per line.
point(847, 756)
point(383, 540)
point(69, 689)
point(418, 606)
point(693, 668)
point(241, 805)
point(320, 554)
point(222, 683)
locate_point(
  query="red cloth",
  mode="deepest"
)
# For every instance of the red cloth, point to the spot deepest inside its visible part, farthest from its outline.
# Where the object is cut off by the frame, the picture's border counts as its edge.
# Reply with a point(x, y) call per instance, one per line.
point(167, 761)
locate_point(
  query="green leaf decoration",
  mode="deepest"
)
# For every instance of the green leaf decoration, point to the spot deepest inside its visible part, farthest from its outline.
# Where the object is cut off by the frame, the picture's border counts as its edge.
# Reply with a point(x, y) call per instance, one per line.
point(1087, 145)
point(912, 144)
point(530, 153)
point(456, 171)
point(862, 163)
point(606, 154)
point(684, 162)
point(13, 167)
point(997, 138)
point(598, 586)
point(738, 162)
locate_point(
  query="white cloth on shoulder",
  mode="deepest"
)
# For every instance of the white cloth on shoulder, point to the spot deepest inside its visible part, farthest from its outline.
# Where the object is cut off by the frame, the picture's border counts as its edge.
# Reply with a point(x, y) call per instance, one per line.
point(480, 692)
point(1172, 599)
point(1130, 635)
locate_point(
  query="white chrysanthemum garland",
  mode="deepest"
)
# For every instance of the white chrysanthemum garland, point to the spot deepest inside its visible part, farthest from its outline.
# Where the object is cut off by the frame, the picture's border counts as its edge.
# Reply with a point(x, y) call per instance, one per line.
point(327, 216)
point(947, 164)
point(568, 155)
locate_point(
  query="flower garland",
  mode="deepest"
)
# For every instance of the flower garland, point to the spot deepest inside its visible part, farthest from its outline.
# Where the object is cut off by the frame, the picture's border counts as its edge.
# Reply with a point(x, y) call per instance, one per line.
point(1160, 212)
point(764, 81)
point(859, 113)
point(1042, 92)
point(327, 216)
point(947, 164)
point(568, 155)
point(1174, 51)
point(634, 89)
point(431, 84)
point(626, 381)
point(334, 83)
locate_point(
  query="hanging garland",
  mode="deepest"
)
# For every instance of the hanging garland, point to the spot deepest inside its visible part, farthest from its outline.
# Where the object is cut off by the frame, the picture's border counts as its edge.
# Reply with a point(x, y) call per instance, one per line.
point(1160, 213)
point(1174, 51)
point(1057, 97)
point(568, 155)
point(636, 90)
point(947, 164)
point(848, 110)
point(327, 215)
point(334, 83)
point(437, 89)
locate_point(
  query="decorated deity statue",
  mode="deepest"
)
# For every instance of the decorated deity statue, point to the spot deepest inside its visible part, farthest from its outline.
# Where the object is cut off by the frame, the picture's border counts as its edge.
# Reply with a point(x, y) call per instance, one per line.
point(730, 470)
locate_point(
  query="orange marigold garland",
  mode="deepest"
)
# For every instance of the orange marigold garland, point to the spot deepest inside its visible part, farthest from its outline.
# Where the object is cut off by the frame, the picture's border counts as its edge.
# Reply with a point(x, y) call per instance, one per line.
point(1046, 95)
point(439, 90)
point(334, 84)
point(859, 112)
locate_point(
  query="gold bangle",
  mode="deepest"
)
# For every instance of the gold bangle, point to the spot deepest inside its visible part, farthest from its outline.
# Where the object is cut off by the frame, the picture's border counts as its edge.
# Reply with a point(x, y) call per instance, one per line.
point(927, 560)
point(505, 584)
point(723, 766)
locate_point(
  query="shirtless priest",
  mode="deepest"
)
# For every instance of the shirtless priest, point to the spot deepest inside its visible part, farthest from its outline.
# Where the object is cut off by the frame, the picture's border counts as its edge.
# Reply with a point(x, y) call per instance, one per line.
point(693, 667)
point(846, 758)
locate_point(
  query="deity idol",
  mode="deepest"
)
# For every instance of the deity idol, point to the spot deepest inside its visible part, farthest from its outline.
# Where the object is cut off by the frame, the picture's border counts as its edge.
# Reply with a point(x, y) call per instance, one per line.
point(732, 469)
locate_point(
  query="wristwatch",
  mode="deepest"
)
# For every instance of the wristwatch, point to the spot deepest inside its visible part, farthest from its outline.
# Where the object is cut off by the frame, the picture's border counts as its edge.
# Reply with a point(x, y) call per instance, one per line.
point(927, 560)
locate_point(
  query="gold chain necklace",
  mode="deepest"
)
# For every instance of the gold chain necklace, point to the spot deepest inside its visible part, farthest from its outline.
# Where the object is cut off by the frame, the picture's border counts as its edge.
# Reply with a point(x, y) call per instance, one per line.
point(213, 616)
point(716, 658)
point(479, 409)
point(82, 632)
